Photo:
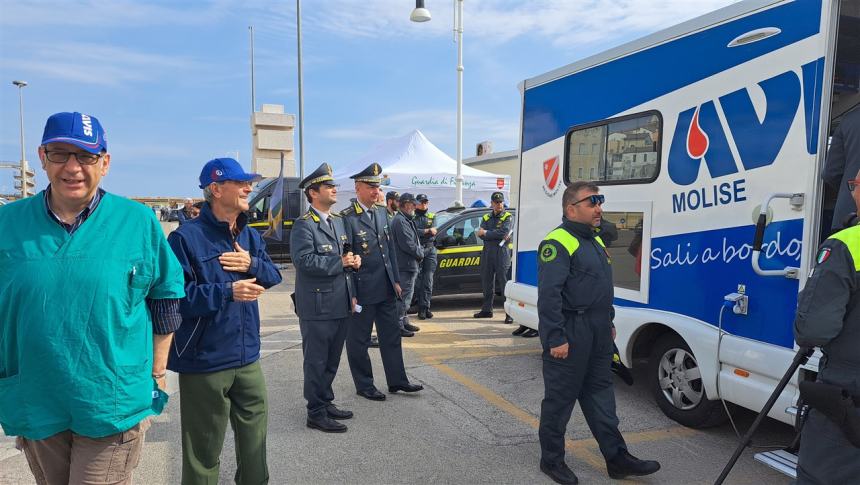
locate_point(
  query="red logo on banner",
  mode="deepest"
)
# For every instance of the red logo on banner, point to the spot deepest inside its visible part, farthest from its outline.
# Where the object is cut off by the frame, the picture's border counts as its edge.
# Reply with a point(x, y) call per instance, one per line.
point(550, 173)
point(500, 183)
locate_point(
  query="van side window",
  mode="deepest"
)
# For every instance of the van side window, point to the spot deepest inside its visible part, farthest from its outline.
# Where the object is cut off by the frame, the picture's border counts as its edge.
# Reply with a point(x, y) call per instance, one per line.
point(623, 150)
point(463, 233)
point(259, 212)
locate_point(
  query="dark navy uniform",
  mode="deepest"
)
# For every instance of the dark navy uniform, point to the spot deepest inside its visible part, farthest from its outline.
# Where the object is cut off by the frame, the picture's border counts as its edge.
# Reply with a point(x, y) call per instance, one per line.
point(575, 293)
point(368, 234)
point(495, 259)
point(408, 253)
point(425, 220)
point(323, 297)
point(828, 316)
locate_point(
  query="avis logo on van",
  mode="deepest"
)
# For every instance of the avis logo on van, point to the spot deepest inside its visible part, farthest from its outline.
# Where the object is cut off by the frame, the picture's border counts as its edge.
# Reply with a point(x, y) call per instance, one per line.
point(699, 136)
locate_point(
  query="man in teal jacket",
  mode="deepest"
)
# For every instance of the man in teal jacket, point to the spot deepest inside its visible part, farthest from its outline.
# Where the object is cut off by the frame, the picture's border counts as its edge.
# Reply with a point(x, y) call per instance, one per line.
point(89, 301)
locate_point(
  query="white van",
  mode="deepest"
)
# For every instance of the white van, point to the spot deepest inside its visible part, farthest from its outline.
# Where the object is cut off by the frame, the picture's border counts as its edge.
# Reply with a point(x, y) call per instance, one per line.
point(689, 133)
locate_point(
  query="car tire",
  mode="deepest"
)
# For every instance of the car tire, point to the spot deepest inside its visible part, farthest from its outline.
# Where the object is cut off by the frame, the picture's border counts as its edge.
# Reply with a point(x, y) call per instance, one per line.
point(674, 378)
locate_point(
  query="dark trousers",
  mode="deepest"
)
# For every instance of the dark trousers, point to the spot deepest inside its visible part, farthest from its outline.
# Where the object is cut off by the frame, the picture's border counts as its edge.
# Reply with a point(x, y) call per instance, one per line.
point(584, 376)
point(424, 285)
point(826, 455)
point(322, 346)
point(407, 286)
point(494, 272)
point(358, 340)
point(206, 403)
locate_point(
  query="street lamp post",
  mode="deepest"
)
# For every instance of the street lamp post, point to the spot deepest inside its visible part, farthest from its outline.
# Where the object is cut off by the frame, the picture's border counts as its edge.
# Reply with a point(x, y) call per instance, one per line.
point(24, 177)
point(421, 14)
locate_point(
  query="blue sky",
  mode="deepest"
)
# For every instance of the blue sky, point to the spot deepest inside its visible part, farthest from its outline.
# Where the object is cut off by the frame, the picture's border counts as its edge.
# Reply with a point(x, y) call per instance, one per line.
point(170, 81)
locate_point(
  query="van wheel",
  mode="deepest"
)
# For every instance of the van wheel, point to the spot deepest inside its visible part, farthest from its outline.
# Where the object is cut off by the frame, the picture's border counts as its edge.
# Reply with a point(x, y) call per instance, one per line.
point(676, 382)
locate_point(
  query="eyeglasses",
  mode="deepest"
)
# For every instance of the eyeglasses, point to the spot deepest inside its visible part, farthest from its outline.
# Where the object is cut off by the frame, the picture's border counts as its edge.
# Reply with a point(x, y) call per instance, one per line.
point(84, 158)
point(852, 184)
point(595, 199)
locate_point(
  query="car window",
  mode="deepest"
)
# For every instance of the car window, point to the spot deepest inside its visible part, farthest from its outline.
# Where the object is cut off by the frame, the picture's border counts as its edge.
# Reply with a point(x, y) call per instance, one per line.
point(259, 211)
point(463, 232)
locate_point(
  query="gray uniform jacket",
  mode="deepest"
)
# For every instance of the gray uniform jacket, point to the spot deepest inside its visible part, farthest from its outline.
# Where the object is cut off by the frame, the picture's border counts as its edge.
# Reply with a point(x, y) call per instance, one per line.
point(828, 310)
point(374, 281)
point(574, 278)
point(323, 288)
point(843, 163)
point(409, 250)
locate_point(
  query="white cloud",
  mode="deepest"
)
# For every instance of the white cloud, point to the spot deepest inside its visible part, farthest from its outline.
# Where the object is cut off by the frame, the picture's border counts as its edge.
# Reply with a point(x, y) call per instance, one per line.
point(74, 61)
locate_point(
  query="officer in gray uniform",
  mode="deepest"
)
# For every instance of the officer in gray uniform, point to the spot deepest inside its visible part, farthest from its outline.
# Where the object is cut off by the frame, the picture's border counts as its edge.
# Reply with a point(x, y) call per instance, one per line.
point(324, 296)
point(828, 317)
point(495, 258)
point(425, 222)
point(409, 256)
point(377, 289)
point(575, 314)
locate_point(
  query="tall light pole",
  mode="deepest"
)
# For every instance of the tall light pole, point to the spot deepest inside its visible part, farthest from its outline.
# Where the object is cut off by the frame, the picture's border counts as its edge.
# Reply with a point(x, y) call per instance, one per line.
point(24, 170)
point(421, 14)
point(301, 99)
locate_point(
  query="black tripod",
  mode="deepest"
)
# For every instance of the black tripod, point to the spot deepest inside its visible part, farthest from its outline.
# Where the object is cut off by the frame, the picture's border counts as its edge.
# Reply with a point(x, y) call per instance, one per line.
point(799, 359)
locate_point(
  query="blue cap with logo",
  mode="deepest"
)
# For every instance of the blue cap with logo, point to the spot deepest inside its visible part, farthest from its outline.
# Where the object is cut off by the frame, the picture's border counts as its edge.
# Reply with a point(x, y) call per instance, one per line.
point(224, 169)
point(79, 129)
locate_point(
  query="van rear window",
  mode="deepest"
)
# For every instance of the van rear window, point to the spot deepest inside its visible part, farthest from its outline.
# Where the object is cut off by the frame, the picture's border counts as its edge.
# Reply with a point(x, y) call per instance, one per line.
point(615, 151)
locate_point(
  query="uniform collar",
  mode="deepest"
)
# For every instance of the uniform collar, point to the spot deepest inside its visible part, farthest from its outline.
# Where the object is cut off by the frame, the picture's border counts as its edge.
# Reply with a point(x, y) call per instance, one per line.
point(207, 217)
point(579, 229)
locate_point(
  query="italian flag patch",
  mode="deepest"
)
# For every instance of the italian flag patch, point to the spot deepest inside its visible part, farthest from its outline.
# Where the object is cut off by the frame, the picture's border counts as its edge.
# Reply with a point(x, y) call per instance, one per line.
point(823, 255)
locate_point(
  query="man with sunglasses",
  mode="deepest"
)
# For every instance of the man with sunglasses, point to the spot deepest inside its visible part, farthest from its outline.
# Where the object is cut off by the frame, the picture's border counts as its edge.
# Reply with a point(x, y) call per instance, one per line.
point(217, 349)
point(575, 314)
point(843, 161)
point(82, 358)
point(495, 231)
point(828, 317)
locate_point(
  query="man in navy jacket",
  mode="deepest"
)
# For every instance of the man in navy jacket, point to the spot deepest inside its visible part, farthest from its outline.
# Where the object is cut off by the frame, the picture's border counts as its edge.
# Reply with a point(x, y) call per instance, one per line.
point(216, 351)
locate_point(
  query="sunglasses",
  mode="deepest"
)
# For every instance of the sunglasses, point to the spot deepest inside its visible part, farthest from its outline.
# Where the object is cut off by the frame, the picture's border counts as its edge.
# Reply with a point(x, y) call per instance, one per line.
point(596, 199)
point(852, 184)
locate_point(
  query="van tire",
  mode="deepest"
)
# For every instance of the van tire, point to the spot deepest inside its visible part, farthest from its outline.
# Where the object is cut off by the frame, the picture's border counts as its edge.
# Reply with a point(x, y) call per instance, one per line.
point(680, 394)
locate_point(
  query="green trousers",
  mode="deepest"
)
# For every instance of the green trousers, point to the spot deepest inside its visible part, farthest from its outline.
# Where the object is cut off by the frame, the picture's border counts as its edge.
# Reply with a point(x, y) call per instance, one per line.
point(207, 401)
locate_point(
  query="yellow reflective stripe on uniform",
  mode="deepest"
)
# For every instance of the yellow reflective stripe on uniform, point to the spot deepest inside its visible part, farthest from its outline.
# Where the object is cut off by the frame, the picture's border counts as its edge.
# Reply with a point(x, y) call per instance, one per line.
point(506, 215)
point(266, 224)
point(851, 238)
point(431, 215)
point(599, 241)
point(486, 217)
point(565, 238)
point(460, 249)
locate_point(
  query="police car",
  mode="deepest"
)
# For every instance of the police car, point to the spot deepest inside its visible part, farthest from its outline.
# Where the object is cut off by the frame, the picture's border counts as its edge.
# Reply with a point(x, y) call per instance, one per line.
point(458, 267)
point(258, 213)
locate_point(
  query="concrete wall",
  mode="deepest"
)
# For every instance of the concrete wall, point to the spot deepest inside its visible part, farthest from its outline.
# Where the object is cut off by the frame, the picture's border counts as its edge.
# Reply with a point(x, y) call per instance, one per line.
point(273, 133)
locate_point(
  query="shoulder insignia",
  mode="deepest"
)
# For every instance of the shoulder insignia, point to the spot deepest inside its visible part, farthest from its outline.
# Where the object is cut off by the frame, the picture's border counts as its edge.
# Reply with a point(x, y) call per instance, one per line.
point(548, 252)
point(335, 214)
point(431, 215)
point(357, 208)
point(347, 211)
point(506, 215)
point(486, 217)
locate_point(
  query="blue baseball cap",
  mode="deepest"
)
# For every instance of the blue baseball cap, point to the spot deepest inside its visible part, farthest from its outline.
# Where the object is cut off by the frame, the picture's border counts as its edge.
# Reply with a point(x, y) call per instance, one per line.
point(223, 169)
point(81, 130)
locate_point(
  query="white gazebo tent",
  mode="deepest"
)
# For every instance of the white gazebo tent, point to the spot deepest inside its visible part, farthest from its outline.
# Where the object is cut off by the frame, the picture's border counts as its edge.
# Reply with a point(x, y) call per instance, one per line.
point(411, 163)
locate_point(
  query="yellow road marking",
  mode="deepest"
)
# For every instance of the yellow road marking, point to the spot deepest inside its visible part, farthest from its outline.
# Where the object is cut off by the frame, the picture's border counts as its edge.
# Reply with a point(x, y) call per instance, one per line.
point(583, 449)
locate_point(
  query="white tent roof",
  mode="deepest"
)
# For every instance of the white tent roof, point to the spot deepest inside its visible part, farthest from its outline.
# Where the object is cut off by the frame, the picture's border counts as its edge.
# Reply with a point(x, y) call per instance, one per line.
point(411, 163)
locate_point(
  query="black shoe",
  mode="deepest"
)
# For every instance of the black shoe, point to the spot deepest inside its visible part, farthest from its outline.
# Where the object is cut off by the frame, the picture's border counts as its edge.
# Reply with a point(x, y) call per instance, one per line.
point(374, 341)
point(508, 318)
point(334, 413)
point(428, 314)
point(373, 394)
point(406, 333)
point(411, 328)
point(412, 310)
point(559, 473)
point(530, 333)
point(326, 425)
point(520, 330)
point(408, 387)
point(624, 465)
point(483, 314)
point(422, 314)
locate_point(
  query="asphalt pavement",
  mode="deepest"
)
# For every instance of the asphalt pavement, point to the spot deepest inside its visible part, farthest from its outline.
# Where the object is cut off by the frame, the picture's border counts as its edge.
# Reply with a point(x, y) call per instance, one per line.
point(475, 422)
